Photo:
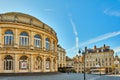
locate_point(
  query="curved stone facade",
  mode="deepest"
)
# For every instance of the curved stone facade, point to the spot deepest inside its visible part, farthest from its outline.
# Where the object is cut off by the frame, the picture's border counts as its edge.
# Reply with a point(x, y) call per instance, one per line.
point(26, 44)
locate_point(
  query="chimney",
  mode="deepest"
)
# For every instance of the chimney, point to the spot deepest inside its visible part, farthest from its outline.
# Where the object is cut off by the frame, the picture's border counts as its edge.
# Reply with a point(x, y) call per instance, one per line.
point(85, 49)
point(95, 47)
point(104, 45)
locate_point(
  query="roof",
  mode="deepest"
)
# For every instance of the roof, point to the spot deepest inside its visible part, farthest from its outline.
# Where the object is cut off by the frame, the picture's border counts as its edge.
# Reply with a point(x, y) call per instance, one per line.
point(19, 14)
point(24, 19)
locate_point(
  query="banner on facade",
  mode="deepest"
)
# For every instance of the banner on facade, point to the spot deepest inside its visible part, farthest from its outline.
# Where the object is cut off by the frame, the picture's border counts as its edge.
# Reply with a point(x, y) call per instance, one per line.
point(47, 64)
point(23, 64)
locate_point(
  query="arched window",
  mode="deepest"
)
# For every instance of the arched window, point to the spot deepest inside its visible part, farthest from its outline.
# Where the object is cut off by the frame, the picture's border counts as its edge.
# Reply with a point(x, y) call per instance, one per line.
point(38, 63)
point(47, 64)
point(8, 63)
point(8, 38)
point(47, 41)
point(23, 63)
point(37, 41)
point(24, 39)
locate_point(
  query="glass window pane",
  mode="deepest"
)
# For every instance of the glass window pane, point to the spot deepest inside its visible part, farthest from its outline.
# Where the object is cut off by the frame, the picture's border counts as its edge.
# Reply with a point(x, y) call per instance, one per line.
point(25, 39)
point(8, 39)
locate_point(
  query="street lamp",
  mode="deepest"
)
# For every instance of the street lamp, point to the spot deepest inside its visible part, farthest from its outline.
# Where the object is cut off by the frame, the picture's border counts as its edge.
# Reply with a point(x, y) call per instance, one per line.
point(83, 53)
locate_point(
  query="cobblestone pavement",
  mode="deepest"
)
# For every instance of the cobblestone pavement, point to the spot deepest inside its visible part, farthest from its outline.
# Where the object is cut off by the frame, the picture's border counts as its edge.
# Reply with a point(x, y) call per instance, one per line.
point(62, 76)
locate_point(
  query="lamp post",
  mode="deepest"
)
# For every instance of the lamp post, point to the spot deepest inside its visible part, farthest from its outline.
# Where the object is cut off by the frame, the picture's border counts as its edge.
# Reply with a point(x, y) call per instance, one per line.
point(83, 53)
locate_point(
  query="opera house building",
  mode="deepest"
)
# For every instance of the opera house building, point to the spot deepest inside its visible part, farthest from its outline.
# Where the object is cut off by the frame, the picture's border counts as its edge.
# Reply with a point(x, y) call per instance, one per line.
point(26, 44)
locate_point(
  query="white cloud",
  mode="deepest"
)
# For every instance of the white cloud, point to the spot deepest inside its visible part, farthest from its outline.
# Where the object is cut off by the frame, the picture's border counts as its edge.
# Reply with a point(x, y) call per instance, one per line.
point(97, 39)
point(112, 13)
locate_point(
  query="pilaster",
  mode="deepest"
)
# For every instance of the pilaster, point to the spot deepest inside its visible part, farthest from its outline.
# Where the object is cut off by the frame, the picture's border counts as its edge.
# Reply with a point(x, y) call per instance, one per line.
point(31, 63)
point(16, 39)
point(2, 66)
point(51, 65)
point(15, 67)
point(56, 66)
point(51, 44)
point(55, 47)
point(0, 37)
point(31, 40)
point(1, 62)
point(44, 64)
point(43, 42)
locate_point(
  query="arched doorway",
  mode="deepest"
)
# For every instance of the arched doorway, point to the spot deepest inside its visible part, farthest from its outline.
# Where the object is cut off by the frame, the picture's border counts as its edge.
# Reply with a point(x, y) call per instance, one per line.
point(8, 63)
point(23, 63)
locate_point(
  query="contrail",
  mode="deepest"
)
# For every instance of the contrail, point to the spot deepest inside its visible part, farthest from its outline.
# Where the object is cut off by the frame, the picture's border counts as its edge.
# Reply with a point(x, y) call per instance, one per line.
point(97, 39)
point(75, 32)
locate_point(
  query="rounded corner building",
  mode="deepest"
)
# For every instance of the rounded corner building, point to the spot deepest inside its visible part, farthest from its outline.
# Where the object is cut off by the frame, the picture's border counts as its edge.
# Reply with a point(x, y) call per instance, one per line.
point(26, 44)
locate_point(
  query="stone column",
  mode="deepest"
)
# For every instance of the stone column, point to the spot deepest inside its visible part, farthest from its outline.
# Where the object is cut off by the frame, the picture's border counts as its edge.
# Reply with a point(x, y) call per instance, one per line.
point(44, 64)
point(56, 66)
point(16, 39)
point(1, 67)
point(31, 40)
point(2, 64)
point(31, 63)
point(55, 47)
point(0, 37)
point(51, 65)
point(16, 63)
point(43, 42)
point(51, 44)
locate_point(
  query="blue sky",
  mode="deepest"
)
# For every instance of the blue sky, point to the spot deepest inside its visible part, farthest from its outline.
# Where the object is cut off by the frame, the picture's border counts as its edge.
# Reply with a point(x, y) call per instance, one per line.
point(78, 23)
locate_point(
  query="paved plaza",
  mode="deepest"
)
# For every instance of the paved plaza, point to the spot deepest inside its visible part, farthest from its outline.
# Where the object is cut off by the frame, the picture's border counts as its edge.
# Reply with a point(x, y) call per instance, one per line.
point(62, 76)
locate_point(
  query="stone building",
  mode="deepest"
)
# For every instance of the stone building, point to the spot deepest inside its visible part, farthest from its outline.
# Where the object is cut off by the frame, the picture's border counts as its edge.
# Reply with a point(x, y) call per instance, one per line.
point(69, 64)
point(78, 64)
point(99, 57)
point(116, 64)
point(101, 60)
point(26, 44)
point(61, 57)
